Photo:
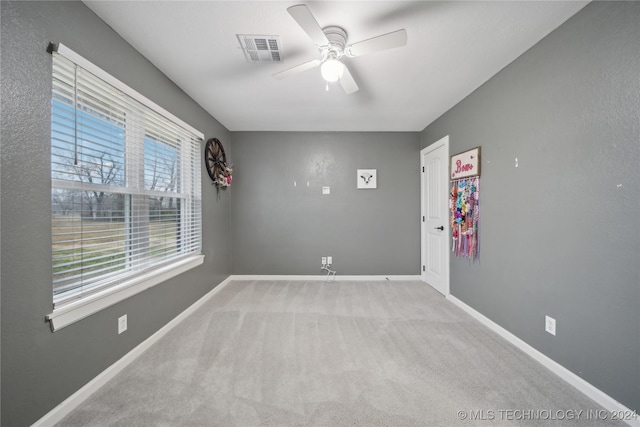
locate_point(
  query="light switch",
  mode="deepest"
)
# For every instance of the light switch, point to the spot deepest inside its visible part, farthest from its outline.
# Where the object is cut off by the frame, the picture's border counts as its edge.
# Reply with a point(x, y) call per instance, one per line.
point(326, 190)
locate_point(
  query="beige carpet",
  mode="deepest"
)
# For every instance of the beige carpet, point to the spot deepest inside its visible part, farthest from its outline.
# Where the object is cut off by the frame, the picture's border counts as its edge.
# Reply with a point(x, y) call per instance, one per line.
point(333, 354)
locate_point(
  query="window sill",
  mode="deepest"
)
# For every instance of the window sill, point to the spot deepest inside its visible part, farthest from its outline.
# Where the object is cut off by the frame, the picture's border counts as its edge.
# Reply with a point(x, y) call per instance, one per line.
point(78, 310)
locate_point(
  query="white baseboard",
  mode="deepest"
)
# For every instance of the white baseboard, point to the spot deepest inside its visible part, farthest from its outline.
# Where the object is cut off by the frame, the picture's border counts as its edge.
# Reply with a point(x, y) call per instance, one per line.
point(595, 394)
point(323, 277)
point(63, 409)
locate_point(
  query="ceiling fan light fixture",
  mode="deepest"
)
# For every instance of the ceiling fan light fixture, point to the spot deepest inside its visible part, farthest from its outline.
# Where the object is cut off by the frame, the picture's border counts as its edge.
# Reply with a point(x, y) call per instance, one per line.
point(332, 70)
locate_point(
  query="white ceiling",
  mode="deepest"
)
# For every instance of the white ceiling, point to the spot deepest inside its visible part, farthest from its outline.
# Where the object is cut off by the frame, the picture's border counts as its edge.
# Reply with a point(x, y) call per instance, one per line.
point(453, 48)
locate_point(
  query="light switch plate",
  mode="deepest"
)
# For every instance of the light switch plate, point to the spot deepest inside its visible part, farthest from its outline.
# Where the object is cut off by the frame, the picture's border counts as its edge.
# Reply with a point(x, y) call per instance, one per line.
point(326, 190)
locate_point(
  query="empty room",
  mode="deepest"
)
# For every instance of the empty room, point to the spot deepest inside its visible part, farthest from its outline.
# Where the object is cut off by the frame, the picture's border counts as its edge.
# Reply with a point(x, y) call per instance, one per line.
point(320, 213)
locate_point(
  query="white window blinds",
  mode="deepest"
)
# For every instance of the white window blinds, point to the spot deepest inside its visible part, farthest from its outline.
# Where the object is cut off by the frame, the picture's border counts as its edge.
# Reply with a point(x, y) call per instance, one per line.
point(125, 176)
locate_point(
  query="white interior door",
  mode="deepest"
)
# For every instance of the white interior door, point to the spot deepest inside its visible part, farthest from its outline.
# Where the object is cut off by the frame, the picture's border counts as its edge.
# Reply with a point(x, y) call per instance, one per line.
point(434, 189)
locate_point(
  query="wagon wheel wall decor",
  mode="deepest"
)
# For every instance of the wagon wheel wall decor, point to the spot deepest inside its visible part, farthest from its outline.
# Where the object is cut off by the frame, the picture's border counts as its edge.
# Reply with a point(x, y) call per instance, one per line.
point(215, 158)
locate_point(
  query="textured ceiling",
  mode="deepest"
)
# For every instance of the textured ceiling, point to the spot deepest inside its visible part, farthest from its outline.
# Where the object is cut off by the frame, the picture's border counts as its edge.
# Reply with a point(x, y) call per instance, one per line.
point(453, 48)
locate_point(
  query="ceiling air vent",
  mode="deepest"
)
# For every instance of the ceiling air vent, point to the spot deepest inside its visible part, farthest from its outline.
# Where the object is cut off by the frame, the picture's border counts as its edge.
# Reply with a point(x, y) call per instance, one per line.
point(261, 48)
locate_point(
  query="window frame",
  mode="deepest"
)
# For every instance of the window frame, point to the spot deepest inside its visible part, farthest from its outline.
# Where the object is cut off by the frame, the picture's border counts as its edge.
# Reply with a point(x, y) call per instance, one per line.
point(75, 306)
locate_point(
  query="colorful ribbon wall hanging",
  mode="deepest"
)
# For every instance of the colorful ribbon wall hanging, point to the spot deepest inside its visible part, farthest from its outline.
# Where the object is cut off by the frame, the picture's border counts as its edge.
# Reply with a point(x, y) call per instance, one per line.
point(464, 214)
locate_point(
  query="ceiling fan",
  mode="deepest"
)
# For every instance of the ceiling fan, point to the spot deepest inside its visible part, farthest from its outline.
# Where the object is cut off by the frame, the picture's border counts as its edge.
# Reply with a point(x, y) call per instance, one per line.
point(332, 44)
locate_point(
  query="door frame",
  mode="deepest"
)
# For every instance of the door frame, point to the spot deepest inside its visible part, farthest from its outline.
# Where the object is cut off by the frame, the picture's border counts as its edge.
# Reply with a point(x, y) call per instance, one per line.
point(447, 227)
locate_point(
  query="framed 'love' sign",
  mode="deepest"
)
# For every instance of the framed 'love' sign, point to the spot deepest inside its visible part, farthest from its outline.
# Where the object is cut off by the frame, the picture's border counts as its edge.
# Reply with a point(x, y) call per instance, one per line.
point(465, 164)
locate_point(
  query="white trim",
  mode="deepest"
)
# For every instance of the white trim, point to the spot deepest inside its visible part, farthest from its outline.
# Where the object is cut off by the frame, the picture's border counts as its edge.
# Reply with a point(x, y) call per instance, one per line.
point(79, 309)
point(63, 409)
point(595, 394)
point(323, 277)
point(98, 72)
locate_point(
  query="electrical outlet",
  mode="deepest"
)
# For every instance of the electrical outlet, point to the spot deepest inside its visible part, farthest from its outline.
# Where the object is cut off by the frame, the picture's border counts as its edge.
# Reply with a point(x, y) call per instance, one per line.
point(122, 324)
point(329, 260)
point(324, 260)
point(550, 325)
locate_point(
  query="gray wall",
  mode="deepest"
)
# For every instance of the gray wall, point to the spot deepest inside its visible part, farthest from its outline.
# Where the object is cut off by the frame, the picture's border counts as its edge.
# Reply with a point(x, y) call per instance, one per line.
point(281, 229)
point(41, 368)
point(558, 234)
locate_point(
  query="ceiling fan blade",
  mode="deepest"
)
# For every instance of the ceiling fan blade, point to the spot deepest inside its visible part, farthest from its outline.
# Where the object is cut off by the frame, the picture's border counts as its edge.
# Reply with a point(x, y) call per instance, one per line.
point(347, 82)
point(375, 44)
point(307, 21)
point(297, 69)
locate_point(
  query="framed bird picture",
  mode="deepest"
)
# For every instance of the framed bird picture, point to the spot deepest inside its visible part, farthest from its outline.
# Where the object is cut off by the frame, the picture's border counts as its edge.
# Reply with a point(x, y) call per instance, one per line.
point(367, 179)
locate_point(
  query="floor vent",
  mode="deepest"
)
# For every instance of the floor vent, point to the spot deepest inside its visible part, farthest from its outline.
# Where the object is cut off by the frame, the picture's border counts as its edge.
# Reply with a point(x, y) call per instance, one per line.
point(261, 48)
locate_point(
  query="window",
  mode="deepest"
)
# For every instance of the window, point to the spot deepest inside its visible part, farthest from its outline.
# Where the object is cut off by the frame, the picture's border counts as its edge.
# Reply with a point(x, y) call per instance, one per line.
point(125, 186)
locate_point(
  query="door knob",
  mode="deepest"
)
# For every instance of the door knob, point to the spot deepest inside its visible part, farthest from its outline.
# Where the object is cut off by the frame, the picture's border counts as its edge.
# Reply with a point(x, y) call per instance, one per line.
point(441, 228)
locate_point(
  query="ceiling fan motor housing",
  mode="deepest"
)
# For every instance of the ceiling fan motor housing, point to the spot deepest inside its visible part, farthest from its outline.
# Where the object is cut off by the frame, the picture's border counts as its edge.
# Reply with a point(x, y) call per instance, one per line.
point(337, 37)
